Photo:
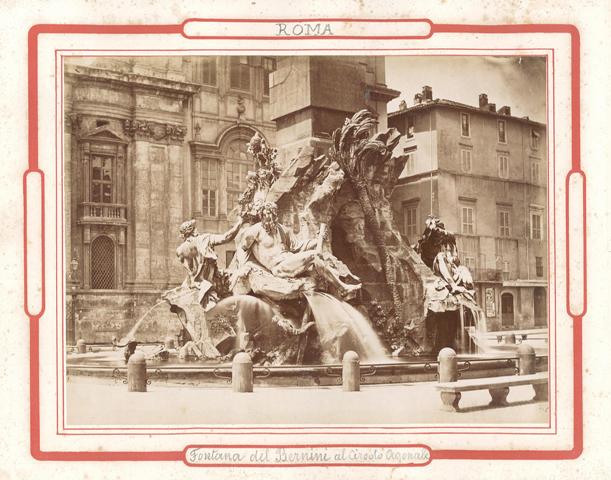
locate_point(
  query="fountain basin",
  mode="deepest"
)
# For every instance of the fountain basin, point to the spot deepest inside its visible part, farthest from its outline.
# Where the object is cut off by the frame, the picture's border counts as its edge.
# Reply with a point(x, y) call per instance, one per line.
point(108, 364)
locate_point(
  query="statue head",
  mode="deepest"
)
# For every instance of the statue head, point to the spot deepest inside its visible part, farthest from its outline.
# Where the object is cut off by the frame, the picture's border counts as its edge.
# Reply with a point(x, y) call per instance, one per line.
point(269, 217)
point(432, 222)
point(188, 229)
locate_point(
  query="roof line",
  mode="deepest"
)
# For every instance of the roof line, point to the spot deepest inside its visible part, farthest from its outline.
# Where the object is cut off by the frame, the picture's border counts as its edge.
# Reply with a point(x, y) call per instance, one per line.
point(442, 102)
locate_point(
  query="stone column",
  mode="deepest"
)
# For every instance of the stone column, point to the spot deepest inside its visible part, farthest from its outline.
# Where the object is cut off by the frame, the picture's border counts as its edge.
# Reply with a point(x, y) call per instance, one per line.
point(85, 172)
point(120, 259)
point(175, 208)
point(158, 213)
point(130, 241)
point(69, 177)
point(141, 215)
point(119, 196)
point(86, 257)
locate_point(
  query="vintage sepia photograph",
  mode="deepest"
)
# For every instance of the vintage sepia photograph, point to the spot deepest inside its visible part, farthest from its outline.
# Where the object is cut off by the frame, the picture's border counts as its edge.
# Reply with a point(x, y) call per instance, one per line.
point(251, 240)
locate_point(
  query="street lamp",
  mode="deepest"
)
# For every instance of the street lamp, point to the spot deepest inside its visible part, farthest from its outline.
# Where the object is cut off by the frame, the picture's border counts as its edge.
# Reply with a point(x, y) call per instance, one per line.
point(74, 270)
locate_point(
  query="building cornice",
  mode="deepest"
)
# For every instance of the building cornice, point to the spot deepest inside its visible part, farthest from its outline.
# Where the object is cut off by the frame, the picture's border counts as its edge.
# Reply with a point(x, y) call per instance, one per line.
point(145, 82)
point(381, 93)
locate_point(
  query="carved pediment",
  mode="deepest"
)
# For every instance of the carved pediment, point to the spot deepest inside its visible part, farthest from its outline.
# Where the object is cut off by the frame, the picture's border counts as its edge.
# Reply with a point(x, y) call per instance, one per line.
point(104, 133)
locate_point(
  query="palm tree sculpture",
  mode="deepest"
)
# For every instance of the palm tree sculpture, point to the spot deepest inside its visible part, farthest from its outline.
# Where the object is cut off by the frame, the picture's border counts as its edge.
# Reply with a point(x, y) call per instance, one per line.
point(362, 158)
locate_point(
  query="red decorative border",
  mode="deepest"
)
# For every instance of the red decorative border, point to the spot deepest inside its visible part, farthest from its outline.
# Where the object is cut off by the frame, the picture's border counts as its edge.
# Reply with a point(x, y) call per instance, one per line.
point(37, 30)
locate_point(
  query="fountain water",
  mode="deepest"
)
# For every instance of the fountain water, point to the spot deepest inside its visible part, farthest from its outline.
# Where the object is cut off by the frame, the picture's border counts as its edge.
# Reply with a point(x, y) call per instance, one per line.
point(341, 327)
point(477, 331)
point(130, 335)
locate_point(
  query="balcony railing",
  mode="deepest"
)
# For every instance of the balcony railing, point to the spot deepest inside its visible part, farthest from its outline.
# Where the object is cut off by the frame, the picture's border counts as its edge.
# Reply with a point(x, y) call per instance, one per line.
point(112, 213)
point(487, 274)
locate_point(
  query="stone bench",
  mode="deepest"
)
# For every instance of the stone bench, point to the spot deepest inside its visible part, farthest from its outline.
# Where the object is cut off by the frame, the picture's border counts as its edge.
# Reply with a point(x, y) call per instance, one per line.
point(497, 386)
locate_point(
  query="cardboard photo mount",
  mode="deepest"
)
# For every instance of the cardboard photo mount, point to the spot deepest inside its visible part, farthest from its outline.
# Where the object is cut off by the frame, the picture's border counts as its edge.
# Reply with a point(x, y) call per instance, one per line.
point(37, 209)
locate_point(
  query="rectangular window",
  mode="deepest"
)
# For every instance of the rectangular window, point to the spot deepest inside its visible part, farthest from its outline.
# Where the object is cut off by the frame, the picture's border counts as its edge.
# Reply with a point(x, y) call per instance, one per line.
point(205, 71)
point(468, 220)
point(410, 126)
point(502, 131)
point(536, 232)
point(534, 171)
point(503, 166)
point(269, 66)
point(101, 179)
point(410, 163)
point(465, 160)
point(539, 266)
point(209, 179)
point(504, 230)
point(534, 139)
point(236, 182)
point(410, 221)
point(465, 125)
point(209, 202)
point(239, 73)
point(505, 270)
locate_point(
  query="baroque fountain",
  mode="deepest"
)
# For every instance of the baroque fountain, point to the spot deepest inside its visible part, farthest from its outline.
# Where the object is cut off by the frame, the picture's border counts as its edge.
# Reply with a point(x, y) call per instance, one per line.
point(320, 269)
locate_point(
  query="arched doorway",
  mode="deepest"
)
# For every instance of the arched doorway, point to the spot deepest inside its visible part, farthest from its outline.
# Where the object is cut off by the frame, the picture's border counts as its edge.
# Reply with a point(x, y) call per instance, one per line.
point(102, 263)
point(507, 316)
point(540, 301)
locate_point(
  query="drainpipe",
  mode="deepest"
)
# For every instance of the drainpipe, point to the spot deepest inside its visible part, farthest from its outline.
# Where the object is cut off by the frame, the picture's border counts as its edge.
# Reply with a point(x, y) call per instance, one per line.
point(431, 154)
point(527, 210)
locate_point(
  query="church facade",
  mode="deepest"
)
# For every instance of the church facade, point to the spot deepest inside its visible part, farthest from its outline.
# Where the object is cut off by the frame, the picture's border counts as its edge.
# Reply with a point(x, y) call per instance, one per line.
point(152, 141)
point(148, 143)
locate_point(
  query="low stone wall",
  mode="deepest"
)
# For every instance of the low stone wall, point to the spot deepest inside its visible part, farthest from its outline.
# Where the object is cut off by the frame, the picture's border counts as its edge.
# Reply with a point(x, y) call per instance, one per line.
point(97, 316)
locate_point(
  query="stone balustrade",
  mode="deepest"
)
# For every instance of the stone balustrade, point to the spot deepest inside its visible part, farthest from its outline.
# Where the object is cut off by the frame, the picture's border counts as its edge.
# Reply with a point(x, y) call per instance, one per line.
point(113, 213)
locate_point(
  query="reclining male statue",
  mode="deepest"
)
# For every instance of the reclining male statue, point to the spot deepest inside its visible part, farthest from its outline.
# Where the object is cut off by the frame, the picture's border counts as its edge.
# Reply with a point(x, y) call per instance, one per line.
point(290, 266)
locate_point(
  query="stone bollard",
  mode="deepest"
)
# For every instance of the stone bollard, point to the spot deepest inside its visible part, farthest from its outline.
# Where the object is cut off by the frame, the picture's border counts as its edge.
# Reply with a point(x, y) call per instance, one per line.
point(169, 343)
point(81, 346)
point(510, 339)
point(448, 372)
point(351, 372)
point(136, 373)
point(526, 359)
point(527, 366)
point(241, 373)
point(448, 365)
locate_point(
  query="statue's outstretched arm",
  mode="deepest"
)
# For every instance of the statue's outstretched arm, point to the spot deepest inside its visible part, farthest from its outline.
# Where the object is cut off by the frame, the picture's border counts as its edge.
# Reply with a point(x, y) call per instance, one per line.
point(250, 236)
point(222, 238)
point(310, 244)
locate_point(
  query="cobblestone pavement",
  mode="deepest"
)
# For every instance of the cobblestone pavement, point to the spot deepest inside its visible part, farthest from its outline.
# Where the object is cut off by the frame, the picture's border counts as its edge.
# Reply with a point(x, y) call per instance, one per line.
point(99, 402)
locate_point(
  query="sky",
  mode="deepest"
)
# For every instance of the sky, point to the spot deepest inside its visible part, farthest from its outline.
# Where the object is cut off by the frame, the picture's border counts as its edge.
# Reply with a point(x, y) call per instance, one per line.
point(518, 82)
